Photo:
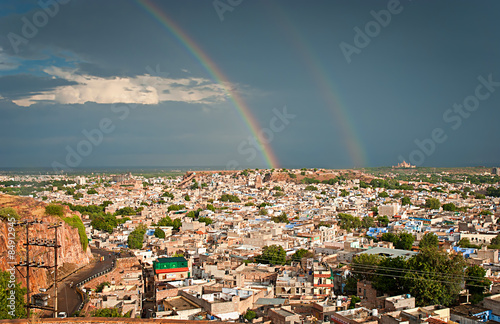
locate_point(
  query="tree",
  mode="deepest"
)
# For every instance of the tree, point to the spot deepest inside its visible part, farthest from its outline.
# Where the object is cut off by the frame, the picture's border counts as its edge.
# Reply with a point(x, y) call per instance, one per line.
point(383, 194)
point(159, 233)
point(402, 241)
point(405, 201)
point(168, 195)
point(176, 207)
point(165, 221)
point(466, 244)
point(405, 241)
point(476, 282)
point(432, 203)
point(229, 198)
point(431, 276)
point(211, 207)
point(136, 237)
point(495, 242)
point(322, 223)
point(282, 218)
point(388, 280)
point(92, 191)
point(101, 286)
point(367, 222)
point(354, 301)
point(177, 224)
point(104, 222)
point(437, 279)
point(348, 222)
point(126, 211)
point(311, 188)
point(493, 192)
point(11, 308)
point(250, 315)
point(389, 237)
point(449, 207)
point(205, 220)
point(364, 266)
point(273, 254)
point(301, 253)
point(429, 240)
point(383, 220)
point(263, 212)
point(187, 198)
point(374, 209)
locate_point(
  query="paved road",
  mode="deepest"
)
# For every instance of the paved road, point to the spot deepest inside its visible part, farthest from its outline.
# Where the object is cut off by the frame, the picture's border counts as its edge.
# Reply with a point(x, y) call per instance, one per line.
point(68, 299)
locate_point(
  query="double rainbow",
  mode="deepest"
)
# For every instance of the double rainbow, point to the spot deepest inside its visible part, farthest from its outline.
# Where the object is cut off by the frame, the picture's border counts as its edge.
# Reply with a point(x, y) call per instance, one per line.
point(215, 72)
point(327, 87)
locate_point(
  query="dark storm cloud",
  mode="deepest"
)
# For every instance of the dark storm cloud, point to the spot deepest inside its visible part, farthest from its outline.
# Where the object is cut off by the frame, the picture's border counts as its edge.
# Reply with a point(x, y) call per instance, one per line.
point(18, 86)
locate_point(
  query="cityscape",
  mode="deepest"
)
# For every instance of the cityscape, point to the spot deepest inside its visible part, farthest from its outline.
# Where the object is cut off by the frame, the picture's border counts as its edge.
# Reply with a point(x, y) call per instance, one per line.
point(237, 161)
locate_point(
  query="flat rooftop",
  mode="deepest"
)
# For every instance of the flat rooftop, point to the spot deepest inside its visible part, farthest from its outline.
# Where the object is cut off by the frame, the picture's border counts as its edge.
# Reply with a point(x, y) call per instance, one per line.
point(180, 303)
point(391, 253)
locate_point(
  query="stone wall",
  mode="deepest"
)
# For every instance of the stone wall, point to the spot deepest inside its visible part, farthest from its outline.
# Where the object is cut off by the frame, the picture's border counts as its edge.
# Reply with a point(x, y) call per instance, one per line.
point(115, 276)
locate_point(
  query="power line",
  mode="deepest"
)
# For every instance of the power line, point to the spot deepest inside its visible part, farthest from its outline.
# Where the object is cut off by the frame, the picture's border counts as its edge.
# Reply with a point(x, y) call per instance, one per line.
point(422, 272)
point(414, 278)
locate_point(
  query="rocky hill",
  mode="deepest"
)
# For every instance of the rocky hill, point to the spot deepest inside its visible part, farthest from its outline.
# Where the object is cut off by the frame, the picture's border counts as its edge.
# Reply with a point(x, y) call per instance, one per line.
point(71, 254)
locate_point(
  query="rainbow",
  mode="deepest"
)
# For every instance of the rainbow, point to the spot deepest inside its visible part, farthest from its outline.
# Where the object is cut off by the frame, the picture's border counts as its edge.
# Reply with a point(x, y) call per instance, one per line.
point(216, 73)
point(328, 89)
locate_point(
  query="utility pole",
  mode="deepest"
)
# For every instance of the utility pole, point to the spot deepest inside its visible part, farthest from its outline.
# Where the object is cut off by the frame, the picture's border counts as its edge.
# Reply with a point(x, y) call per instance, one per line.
point(28, 301)
point(27, 262)
point(32, 264)
point(55, 246)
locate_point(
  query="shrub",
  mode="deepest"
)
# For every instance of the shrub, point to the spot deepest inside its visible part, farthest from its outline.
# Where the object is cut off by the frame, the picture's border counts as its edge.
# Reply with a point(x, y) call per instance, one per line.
point(76, 222)
point(54, 210)
point(8, 212)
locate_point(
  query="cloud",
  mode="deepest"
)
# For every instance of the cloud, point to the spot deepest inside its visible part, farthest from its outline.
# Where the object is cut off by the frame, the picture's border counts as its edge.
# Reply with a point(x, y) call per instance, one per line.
point(13, 87)
point(141, 89)
point(8, 62)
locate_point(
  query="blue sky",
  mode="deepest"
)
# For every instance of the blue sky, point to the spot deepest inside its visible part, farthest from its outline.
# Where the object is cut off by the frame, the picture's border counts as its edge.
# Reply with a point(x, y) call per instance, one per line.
point(392, 90)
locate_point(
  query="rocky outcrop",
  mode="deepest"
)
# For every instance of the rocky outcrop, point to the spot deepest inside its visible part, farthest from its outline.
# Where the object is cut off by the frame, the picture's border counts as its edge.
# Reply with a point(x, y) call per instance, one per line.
point(70, 255)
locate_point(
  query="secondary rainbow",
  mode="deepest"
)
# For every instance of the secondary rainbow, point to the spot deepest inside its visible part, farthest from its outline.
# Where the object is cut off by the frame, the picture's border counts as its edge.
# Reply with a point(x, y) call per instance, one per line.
point(215, 72)
point(325, 85)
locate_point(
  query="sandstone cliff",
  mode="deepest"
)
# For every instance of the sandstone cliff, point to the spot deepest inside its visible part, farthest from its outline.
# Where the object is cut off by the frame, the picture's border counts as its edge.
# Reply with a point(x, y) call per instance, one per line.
point(70, 256)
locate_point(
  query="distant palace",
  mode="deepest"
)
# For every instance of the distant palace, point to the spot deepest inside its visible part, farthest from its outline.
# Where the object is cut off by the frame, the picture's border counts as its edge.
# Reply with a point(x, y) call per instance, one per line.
point(403, 165)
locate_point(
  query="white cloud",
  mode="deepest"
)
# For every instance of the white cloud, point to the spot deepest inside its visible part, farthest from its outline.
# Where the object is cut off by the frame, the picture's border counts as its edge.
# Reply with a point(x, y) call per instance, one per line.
point(142, 89)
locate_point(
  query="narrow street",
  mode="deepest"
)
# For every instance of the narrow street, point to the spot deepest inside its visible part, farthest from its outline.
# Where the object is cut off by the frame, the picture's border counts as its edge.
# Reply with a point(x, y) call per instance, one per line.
point(68, 298)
